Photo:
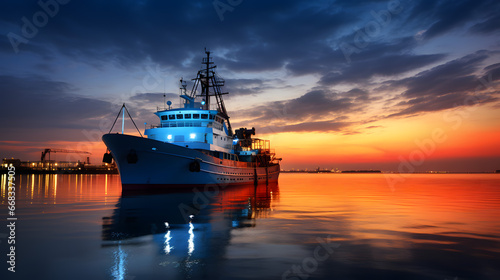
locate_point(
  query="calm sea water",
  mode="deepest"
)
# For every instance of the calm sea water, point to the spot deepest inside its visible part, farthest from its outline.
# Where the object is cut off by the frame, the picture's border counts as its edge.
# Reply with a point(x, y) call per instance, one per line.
point(310, 226)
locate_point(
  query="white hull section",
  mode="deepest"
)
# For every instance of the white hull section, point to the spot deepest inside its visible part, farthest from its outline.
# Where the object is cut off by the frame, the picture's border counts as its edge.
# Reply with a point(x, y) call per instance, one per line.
point(147, 164)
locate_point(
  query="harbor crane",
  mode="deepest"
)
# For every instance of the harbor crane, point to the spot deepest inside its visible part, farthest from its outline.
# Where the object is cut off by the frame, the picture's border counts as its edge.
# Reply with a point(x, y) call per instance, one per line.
point(48, 151)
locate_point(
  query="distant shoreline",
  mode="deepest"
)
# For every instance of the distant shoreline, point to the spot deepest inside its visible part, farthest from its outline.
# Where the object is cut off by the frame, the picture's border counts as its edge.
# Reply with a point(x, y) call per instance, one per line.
point(115, 171)
point(60, 172)
point(390, 172)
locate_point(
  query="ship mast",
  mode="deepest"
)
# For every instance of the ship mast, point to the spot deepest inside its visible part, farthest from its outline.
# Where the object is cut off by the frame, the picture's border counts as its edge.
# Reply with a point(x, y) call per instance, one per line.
point(207, 78)
point(205, 86)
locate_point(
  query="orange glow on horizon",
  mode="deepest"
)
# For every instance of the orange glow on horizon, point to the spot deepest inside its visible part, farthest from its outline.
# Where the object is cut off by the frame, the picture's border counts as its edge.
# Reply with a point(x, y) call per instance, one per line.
point(427, 137)
point(385, 141)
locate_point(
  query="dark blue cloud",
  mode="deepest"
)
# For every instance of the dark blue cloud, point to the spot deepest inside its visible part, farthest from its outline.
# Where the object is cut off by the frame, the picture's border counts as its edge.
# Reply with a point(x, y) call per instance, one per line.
point(489, 25)
point(452, 14)
point(450, 85)
point(439, 17)
point(320, 108)
point(302, 36)
point(45, 110)
point(244, 86)
point(454, 76)
point(492, 73)
point(254, 33)
point(298, 36)
point(361, 71)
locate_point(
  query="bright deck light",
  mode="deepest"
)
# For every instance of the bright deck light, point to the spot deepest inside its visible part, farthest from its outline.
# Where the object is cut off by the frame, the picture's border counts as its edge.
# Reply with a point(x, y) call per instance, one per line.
point(192, 135)
point(169, 137)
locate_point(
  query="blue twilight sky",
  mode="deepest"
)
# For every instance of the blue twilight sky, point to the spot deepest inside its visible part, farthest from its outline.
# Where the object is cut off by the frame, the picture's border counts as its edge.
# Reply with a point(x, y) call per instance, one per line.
point(340, 67)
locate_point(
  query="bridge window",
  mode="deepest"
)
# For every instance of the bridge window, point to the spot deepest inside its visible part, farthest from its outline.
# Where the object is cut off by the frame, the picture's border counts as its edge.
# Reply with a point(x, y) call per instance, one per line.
point(180, 116)
point(196, 116)
point(171, 117)
point(204, 116)
point(187, 116)
point(164, 117)
point(211, 117)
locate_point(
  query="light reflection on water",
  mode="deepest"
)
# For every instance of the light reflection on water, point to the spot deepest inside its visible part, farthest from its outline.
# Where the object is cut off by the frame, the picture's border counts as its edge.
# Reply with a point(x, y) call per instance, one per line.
point(436, 226)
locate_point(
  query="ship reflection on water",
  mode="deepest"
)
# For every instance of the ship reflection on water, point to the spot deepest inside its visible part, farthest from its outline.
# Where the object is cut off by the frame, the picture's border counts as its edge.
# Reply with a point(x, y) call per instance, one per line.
point(431, 226)
point(186, 233)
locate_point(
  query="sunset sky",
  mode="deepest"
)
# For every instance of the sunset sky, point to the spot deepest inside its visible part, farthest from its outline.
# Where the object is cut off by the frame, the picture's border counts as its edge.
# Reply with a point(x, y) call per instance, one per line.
point(390, 85)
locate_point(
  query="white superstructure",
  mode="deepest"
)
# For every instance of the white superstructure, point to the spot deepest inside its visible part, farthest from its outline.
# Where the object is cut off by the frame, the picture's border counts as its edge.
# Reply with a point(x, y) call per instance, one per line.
point(193, 144)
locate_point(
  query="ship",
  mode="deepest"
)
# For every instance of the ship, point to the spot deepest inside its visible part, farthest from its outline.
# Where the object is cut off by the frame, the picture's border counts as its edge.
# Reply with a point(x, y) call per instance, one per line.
point(193, 145)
